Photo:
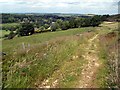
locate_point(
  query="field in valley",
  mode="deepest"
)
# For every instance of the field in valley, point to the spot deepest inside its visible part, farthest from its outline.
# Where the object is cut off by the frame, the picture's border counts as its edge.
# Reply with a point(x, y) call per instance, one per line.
point(81, 57)
point(4, 28)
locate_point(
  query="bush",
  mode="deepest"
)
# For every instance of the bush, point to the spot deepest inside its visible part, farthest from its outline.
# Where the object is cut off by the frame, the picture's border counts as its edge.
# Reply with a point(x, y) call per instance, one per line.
point(54, 26)
point(6, 35)
point(96, 20)
point(26, 29)
point(11, 35)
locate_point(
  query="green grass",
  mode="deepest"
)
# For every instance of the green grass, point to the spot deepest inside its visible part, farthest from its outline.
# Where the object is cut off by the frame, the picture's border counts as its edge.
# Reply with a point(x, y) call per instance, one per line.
point(104, 79)
point(7, 25)
point(69, 72)
point(39, 38)
point(31, 60)
point(46, 53)
point(3, 33)
point(103, 72)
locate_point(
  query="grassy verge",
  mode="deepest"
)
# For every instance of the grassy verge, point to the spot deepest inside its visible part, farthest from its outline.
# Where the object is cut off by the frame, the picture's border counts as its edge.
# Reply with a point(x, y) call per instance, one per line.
point(106, 76)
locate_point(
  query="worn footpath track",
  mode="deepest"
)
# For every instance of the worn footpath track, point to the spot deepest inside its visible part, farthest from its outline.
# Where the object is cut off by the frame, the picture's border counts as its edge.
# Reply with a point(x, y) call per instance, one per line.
point(89, 70)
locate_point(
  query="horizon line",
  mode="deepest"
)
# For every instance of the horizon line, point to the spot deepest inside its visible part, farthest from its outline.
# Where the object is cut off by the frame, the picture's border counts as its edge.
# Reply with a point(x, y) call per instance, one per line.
point(54, 13)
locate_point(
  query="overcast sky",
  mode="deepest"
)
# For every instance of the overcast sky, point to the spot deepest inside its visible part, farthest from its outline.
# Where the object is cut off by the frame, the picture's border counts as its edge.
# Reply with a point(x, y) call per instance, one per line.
point(60, 6)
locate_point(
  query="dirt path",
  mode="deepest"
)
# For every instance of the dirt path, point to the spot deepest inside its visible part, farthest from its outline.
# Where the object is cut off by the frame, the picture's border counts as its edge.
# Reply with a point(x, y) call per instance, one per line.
point(89, 69)
point(88, 73)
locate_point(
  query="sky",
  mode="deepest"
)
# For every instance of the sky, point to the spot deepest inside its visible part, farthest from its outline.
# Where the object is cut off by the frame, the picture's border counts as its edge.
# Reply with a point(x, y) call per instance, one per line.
point(60, 6)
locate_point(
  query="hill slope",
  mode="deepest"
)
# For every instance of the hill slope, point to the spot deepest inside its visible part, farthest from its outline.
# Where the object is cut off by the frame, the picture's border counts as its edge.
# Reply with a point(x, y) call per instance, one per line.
point(114, 18)
point(71, 58)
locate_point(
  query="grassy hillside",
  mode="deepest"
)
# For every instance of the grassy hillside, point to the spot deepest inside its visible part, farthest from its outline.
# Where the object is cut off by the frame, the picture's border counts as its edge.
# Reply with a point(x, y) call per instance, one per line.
point(40, 38)
point(56, 59)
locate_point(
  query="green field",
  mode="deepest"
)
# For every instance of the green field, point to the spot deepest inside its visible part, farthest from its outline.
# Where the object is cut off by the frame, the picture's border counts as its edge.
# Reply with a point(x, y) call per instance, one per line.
point(7, 25)
point(6, 28)
point(3, 33)
point(55, 59)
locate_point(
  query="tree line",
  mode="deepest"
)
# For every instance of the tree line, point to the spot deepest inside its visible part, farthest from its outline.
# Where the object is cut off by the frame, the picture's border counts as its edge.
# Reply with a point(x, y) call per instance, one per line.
point(28, 27)
point(40, 18)
point(76, 23)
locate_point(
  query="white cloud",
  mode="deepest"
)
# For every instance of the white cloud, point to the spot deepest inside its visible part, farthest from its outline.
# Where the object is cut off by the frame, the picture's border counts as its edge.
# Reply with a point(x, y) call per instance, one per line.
point(80, 6)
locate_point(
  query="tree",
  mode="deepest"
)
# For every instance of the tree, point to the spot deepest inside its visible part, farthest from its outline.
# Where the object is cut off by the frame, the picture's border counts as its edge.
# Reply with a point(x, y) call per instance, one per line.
point(46, 26)
point(104, 17)
point(65, 25)
point(79, 22)
point(87, 22)
point(60, 22)
point(42, 28)
point(26, 29)
point(96, 20)
point(54, 26)
point(72, 23)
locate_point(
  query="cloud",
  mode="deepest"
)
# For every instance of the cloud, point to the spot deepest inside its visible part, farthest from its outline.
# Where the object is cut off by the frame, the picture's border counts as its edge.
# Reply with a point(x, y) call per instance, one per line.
point(68, 6)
